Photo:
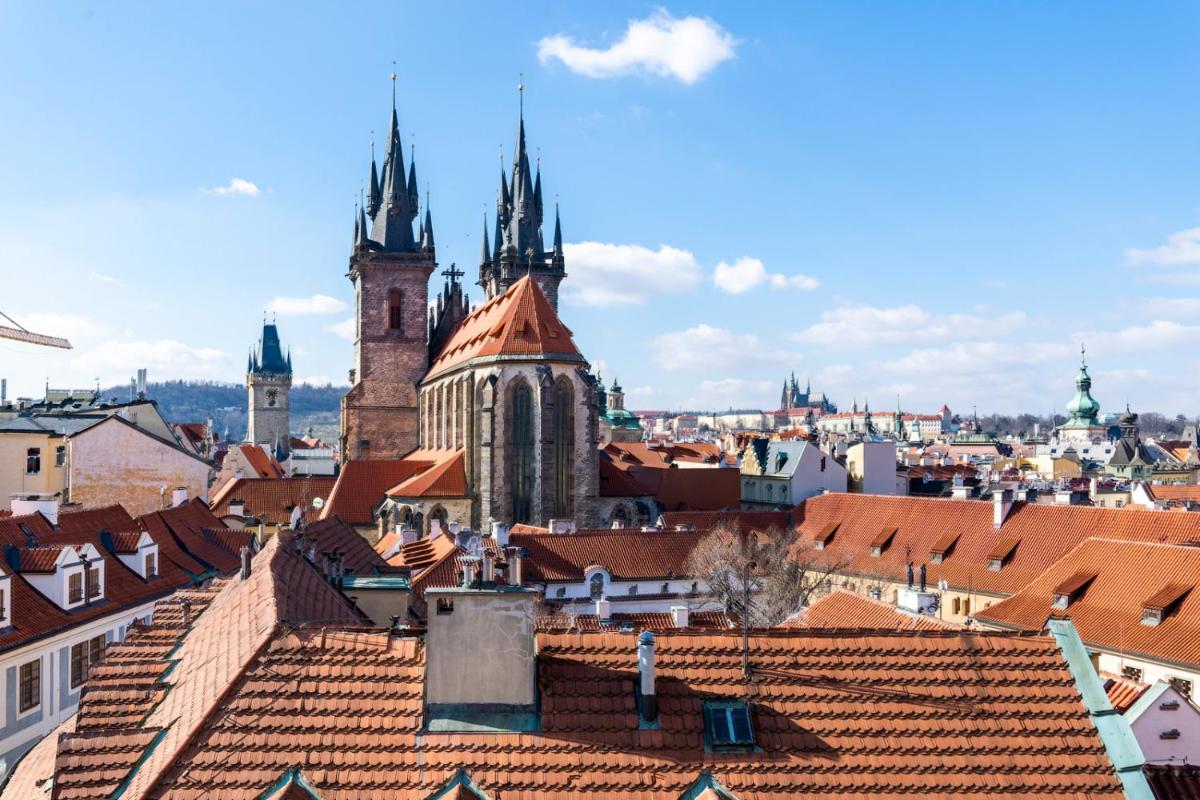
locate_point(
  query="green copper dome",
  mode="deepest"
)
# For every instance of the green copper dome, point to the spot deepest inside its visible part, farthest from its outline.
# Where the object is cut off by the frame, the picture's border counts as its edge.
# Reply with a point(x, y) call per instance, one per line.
point(1083, 410)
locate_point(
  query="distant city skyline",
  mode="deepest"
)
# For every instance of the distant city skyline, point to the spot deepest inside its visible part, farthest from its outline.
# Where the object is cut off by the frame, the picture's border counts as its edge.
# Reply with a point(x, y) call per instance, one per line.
point(940, 202)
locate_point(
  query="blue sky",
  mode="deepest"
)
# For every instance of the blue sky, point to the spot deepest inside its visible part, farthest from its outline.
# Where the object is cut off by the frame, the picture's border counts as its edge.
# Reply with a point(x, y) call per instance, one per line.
point(936, 200)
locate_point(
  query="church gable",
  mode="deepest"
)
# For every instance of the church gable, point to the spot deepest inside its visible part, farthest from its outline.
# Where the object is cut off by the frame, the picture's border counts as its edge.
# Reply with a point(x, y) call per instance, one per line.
point(520, 321)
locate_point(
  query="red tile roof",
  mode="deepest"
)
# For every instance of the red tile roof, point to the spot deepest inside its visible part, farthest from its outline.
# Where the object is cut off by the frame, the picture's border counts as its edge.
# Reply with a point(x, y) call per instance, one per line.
point(264, 465)
point(446, 477)
point(1174, 492)
point(1174, 782)
point(180, 533)
point(1122, 692)
point(675, 489)
point(272, 499)
point(1130, 576)
point(423, 553)
point(664, 455)
point(707, 520)
point(957, 714)
point(519, 321)
point(361, 486)
point(842, 608)
point(627, 555)
point(358, 557)
point(1036, 535)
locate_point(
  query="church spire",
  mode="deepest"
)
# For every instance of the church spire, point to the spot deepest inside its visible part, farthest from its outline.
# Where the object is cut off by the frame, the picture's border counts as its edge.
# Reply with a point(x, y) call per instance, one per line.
point(373, 198)
point(427, 226)
point(414, 192)
point(484, 251)
point(557, 232)
point(392, 221)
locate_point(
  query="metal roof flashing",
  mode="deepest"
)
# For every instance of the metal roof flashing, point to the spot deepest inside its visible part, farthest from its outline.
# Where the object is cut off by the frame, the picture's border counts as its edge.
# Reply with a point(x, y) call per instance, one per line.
point(1120, 745)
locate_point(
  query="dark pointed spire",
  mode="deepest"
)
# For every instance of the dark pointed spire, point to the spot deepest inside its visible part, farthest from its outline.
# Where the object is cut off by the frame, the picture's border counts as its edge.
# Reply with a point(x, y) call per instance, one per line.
point(373, 196)
point(485, 252)
point(414, 193)
point(427, 239)
point(362, 227)
point(357, 229)
point(558, 246)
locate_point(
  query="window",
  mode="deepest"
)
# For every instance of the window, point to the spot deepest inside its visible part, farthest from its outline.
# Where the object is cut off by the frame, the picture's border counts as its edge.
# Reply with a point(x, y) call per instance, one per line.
point(666, 588)
point(727, 724)
point(596, 586)
point(1131, 673)
point(30, 689)
point(633, 589)
point(60, 455)
point(564, 449)
point(445, 605)
point(560, 591)
point(520, 429)
point(150, 566)
point(93, 582)
point(395, 310)
point(75, 588)
point(3, 606)
point(84, 656)
point(1183, 686)
point(33, 461)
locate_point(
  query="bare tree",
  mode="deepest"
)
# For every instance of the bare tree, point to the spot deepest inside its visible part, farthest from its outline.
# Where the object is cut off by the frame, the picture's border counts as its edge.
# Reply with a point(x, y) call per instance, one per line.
point(782, 572)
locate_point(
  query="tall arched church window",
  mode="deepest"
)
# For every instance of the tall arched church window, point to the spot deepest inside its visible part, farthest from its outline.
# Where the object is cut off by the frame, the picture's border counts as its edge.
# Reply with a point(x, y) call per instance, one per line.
point(395, 310)
point(564, 449)
point(521, 451)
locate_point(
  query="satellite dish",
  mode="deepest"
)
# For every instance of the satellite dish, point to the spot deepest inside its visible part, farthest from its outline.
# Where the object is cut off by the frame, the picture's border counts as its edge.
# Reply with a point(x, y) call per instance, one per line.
point(318, 503)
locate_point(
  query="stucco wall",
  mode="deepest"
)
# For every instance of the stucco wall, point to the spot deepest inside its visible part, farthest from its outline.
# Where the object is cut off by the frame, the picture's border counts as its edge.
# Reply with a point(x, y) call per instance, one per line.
point(115, 463)
point(13, 449)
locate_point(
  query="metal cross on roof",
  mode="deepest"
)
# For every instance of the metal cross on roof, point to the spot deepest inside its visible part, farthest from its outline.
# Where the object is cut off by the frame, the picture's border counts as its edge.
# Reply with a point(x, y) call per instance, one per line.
point(454, 273)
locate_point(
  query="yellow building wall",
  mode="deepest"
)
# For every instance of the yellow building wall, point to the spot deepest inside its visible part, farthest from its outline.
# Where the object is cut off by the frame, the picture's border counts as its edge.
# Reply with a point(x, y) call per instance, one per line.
point(13, 478)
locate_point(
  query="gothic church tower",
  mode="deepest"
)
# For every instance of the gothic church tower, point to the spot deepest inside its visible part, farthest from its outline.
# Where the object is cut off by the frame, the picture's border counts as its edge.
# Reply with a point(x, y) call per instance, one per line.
point(390, 270)
point(268, 385)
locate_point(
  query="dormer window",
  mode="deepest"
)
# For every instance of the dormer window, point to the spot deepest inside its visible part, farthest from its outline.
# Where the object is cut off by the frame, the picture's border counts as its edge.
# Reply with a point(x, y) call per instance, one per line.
point(727, 725)
point(1072, 589)
point(74, 588)
point(882, 541)
point(942, 549)
point(95, 589)
point(825, 536)
point(1163, 603)
point(150, 566)
point(1002, 553)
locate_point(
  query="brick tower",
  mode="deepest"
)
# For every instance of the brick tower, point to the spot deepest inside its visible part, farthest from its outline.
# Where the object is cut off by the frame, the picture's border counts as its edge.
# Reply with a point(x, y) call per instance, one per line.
point(390, 270)
point(268, 384)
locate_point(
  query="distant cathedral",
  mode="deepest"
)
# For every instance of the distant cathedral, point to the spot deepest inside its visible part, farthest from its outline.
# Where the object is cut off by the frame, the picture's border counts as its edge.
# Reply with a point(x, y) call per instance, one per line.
point(490, 411)
point(268, 386)
point(792, 397)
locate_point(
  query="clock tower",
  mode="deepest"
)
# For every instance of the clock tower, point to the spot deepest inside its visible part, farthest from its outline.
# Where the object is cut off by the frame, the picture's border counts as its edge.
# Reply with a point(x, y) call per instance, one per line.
point(268, 384)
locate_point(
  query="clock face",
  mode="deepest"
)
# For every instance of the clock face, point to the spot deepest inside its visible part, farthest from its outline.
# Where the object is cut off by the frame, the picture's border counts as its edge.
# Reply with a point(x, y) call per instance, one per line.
point(272, 396)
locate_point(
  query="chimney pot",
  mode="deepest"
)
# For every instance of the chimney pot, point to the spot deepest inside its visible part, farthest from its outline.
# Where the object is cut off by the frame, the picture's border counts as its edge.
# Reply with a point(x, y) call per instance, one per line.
point(603, 611)
point(489, 567)
point(646, 676)
point(245, 554)
point(185, 606)
point(680, 617)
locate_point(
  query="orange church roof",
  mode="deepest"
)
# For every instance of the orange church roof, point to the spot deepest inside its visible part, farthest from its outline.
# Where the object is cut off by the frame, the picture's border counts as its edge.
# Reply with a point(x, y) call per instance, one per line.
point(520, 321)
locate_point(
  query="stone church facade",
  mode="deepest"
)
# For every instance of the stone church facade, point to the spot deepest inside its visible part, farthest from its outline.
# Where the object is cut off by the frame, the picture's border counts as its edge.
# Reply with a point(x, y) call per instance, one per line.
point(493, 408)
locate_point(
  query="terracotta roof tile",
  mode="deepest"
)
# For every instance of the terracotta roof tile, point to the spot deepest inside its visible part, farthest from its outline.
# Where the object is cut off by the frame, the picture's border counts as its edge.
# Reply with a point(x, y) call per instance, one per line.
point(519, 321)
point(1122, 692)
point(272, 499)
point(707, 520)
point(842, 608)
point(1129, 577)
point(625, 554)
point(1032, 537)
point(361, 486)
point(1174, 782)
point(445, 477)
point(358, 557)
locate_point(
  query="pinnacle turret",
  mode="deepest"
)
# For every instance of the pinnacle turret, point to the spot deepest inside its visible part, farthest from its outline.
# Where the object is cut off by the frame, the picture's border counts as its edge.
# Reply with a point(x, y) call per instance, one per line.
point(558, 246)
point(485, 252)
point(391, 203)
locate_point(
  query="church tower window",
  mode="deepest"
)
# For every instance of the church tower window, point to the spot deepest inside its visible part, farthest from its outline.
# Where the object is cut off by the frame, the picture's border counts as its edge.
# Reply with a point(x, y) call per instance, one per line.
point(395, 310)
point(564, 449)
point(521, 451)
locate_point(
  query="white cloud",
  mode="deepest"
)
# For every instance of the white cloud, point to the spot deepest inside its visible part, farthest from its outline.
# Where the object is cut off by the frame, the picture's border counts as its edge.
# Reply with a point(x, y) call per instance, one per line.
point(1152, 336)
point(115, 360)
point(1182, 248)
point(686, 49)
point(343, 329)
point(746, 273)
point(626, 274)
point(732, 393)
point(708, 348)
point(236, 186)
point(317, 304)
point(1188, 307)
point(866, 326)
point(636, 392)
point(100, 278)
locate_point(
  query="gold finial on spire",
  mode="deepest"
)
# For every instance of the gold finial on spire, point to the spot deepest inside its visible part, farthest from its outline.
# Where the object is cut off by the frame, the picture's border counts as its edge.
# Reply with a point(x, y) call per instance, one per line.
point(393, 84)
point(521, 94)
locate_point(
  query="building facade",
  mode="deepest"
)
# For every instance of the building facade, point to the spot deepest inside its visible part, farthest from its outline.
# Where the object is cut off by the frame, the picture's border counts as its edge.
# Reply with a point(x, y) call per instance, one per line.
point(268, 390)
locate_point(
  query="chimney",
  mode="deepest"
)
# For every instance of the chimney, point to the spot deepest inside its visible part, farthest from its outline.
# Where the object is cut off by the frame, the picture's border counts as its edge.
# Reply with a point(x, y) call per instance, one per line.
point(1002, 503)
point(500, 533)
point(245, 554)
point(262, 533)
point(516, 565)
point(649, 706)
point(679, 616)
point(562, 526)
point(463, 690)
point(489, 567)
point(141, 384)
point(922, 577)
point(185, 606)
point(237, 508)
point(3, 391)
point(470, 566)
point(603, 611)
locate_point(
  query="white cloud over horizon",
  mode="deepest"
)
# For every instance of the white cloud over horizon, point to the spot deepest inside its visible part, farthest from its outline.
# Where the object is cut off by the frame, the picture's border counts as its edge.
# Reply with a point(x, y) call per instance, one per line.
point(605, 275)
point(710, 348)
point(746, 273)
point(1182, 249)
point(236, 187)
point(343, 330)
point(870, 326)
point(296, 306)
point(686, 49)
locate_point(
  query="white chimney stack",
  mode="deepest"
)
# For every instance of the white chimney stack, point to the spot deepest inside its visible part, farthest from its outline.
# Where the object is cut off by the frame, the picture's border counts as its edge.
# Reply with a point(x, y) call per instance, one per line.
point(603, 610)
point(245, 554)
point(680, 616)
point(237, 508)
point(1002, 504)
